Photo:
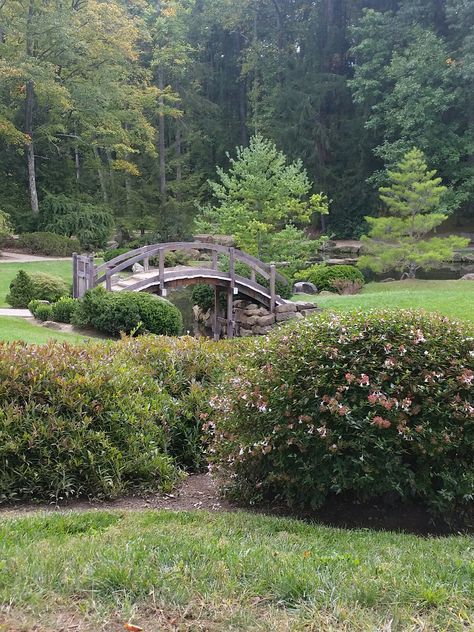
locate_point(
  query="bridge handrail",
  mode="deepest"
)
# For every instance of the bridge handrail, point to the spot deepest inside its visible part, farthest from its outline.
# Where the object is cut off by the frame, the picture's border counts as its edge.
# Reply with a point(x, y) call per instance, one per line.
point(125, 260)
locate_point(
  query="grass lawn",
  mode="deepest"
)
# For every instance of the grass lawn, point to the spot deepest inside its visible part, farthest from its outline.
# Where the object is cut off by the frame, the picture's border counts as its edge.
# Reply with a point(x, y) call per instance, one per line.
point(200, 571)
point(452, 298)
point(20, 329)
point(10, 270)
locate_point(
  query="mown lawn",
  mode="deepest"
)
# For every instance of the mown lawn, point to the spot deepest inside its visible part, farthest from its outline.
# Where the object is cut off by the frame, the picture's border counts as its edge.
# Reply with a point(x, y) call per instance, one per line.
point(12, 328)
point(9, 270)
point(452, 298)
point(238, 571)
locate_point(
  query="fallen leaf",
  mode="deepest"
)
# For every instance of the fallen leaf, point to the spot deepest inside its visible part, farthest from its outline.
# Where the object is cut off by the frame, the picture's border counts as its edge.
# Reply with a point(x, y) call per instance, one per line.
point(132, 628)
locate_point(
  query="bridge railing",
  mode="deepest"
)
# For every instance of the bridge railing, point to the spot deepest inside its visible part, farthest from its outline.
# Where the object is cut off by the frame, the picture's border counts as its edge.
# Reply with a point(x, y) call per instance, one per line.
point(86, 275)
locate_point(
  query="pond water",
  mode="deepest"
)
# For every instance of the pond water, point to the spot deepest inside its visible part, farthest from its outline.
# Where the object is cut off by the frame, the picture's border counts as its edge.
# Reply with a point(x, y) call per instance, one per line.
point(181, 297)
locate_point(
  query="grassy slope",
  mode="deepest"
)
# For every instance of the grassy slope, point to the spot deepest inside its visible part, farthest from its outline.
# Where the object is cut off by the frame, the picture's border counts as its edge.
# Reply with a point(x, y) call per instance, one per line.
point(21, 329)
point(452, 298)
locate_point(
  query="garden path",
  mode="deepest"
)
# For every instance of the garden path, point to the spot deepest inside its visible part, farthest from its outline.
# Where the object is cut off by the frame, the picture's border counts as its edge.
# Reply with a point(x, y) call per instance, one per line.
point(18, 313)
point(21, 257)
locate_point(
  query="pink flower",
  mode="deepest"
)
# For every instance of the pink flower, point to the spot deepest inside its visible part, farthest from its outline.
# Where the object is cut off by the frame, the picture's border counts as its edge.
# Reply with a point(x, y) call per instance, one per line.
point(380, 422)
point(466, 377)
point(350, 377)
point(364, 380)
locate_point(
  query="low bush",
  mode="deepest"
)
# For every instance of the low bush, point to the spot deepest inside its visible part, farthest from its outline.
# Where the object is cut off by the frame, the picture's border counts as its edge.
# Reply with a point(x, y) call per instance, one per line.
point(80, 421)
point(115, 252)
point(323, 276)
point(346, 287)
point(43, 311)
point(367, 405)
point(26, 287)
point(127, 312)
point(63, 310)
point(48, 244)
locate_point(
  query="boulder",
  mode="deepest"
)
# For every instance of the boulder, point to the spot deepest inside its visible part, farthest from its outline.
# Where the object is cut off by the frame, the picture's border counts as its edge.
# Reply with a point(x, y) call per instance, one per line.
point(240, 304)
point(245, 333)
point(137, 268)
point(327, 293)
point(285, 308)
point(52, 325)
point(261, 331)
point(249, 320)
point(468, 277)
point(265, 321)
point(286, 316)
point(304, 287)
point(310, 312)
point(301, 305)
point(388, 280)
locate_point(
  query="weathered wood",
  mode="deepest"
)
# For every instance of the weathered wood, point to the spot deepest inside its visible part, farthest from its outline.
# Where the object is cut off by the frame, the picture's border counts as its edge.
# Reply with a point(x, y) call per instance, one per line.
point(162, 272)
point(230, 312)
point(214, 260)
point(272, 288)
point(215, 316)
point(75, 279)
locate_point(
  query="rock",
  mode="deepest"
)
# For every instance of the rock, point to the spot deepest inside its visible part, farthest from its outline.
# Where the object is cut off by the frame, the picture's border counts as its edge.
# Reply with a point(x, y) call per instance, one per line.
point(388, 280)
point(261, 331)
point(249, 320)
point(137, 268)
point(265, 321)
point(311, 312)
point(245, 333)
point(468, 277)
point(301, 305)
point(286, 316)
point(52, 325)
point(252, 307)
point(240, 304)
point(327, 293)
point(285, 308)
point(304, 287)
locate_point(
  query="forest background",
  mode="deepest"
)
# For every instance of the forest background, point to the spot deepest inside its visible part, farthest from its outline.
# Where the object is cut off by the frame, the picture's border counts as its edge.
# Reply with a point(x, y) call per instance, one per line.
point(126, 107)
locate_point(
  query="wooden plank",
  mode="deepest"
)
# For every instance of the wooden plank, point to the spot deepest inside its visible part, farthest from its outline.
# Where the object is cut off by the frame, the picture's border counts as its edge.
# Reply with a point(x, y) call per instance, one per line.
point(162, 271)
point(75, 289)
point(215, 316)
point(230, 312)
point(272, 288)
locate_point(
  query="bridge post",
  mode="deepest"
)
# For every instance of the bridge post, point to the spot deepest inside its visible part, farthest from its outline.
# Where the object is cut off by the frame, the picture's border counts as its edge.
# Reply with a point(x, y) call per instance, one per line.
point(214, 259)
point(146, 264)
point(272, 287)
point(162, 273)
point(230, 312)
point(215, 316)
point(232, 268)
point(75, 280)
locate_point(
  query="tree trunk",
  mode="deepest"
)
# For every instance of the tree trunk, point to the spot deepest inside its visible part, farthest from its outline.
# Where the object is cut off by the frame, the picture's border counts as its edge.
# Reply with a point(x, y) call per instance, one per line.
point(242, 94)
point(100, 174)
point(161, 137)
point(30, 147)
point(179, 167)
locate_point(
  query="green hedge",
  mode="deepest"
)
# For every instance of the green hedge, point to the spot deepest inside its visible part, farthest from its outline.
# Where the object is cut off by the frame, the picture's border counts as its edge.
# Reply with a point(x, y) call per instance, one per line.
point(323, 275)
point(79, 421)
point(37, 285)
point(48, 244)
point(365, 405)
point(127, 312)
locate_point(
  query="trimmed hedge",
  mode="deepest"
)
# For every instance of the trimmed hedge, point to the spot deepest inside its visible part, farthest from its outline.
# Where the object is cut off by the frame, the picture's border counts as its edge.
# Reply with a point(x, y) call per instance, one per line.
point(103, 419)
point(323, 276)
point(48, 244)
point(366, 405)
point(77, 421)
point(63, 310)
point(26, 287)
point(127, 312)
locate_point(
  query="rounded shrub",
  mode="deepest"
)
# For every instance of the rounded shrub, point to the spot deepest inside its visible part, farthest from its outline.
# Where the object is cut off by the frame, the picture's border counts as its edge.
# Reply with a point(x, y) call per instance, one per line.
point(22, 291)
point(43, 311)
point(48, 287)
point(323, 276)
point(360, 404)
point(80, 421)
point(128, 312)
point(48, 244)
point(63, 310)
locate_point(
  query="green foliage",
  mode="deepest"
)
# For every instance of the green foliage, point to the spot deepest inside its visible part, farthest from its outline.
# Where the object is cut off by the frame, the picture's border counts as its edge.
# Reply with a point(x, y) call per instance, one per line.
point(42, 311)
point(203, 295)
point(400, 240)
point(63, 310)
point(79, 421)
point(48, 244)
point(323, 276)
point(127, 312)
point(21, 291)
point(6, 228)
point(115, 252)
point(37, 285)
point(363, 405)
point(90, 224)
point(258, 196)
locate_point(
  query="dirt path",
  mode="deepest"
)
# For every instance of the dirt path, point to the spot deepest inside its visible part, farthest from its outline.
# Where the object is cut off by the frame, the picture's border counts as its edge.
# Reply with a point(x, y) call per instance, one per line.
point(21, 257)
point(197, 492)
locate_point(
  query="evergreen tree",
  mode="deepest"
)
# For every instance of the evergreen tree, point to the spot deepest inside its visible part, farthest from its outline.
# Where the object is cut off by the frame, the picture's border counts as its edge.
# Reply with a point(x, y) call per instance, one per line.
point(400, 239)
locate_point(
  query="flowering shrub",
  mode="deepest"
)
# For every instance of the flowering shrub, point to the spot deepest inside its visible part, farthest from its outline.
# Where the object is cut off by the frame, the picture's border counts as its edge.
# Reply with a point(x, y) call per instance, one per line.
point(364, 404)
point(324, 276)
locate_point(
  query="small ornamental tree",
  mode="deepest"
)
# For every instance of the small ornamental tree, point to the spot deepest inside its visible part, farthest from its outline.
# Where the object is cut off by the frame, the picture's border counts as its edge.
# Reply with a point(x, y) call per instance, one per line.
point(5, 227)
point(399, 240)
point(260, 195)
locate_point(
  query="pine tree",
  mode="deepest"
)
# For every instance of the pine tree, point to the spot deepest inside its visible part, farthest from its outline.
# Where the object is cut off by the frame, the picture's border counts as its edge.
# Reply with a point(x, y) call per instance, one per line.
point(400, 239)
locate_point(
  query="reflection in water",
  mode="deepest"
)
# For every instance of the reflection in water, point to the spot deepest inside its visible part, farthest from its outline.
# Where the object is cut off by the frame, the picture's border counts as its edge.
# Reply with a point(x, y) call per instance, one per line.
point(181, 297)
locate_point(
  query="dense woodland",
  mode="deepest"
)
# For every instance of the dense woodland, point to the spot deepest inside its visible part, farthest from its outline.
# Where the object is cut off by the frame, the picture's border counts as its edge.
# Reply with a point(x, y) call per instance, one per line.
point(128, 106)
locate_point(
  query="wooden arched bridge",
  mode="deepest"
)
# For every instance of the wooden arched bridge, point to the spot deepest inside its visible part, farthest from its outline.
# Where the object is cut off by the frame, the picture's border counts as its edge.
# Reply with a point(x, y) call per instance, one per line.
point(158, 278)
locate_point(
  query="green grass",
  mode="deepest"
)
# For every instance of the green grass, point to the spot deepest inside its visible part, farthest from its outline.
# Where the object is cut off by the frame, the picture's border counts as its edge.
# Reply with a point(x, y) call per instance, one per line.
point(452, 298)
point(230, 572)
point(8, 271)
point(12, 328)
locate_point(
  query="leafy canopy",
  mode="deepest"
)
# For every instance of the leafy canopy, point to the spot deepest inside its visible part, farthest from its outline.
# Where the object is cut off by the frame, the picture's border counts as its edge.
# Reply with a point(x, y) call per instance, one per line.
point(260, 195)
point(399, 240)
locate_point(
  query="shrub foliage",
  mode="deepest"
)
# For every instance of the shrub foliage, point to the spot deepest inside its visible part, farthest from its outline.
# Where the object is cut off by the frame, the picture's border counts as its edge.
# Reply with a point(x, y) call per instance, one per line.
point(127, 312)
point(49, 244)
point(367, 405)
point(38, 285)
point(323, 276)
